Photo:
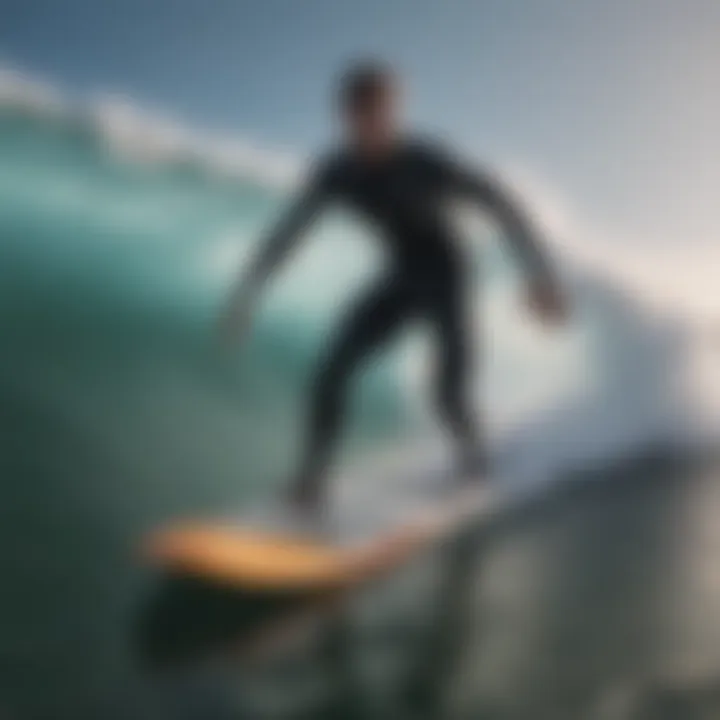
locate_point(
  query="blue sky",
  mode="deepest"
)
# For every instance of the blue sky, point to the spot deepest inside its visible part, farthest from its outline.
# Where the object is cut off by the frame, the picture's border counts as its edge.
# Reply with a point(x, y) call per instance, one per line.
point(611, 102)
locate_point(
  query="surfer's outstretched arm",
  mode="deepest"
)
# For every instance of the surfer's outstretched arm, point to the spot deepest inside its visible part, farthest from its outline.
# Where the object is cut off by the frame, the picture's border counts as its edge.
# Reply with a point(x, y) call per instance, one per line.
point(545, 292)
point(285, 233)
point(488, 192)
point(275, 248)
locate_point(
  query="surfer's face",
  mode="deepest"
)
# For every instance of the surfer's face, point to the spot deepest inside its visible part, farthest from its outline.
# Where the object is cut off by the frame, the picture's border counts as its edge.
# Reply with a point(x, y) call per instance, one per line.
point(372, 124)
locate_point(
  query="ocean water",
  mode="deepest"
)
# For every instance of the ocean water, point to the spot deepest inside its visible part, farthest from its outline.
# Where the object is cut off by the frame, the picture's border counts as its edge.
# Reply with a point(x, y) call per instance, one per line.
point(119, 240)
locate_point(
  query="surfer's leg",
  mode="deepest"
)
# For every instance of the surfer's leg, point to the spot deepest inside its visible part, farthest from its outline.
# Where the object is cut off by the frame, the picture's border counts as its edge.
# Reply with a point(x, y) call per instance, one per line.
point(372, 321)
point(454, 378)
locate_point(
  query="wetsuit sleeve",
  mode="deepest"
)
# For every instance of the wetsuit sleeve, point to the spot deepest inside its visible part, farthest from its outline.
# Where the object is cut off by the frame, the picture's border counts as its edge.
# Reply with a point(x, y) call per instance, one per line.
point(486, 191)
point(282, 237)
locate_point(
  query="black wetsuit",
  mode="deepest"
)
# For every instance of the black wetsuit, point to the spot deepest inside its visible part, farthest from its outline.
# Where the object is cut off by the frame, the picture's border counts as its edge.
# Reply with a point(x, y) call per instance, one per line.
point(405, 197)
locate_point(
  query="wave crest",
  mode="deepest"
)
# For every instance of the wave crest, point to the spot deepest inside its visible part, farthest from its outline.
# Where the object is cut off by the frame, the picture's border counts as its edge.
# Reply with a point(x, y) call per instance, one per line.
point(138, 134)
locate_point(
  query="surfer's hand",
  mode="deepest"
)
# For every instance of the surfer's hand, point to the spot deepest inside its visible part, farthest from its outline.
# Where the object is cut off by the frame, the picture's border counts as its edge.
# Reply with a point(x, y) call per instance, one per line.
point(547, 302)
point(236, 320)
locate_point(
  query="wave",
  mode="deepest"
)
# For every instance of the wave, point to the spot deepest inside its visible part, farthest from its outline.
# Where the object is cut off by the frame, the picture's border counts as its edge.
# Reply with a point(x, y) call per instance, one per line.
point(634, 369)
point(136, 133)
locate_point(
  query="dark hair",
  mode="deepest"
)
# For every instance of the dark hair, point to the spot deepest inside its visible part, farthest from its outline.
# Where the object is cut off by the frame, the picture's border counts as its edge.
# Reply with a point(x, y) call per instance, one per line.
point(363, 82)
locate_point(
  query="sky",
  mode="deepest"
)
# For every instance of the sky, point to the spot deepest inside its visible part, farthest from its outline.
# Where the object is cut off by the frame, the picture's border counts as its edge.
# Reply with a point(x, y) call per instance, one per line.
point(612, 105)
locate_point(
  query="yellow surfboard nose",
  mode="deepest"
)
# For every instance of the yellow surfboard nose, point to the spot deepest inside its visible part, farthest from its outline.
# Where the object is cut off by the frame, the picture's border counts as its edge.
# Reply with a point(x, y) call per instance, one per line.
point(249, 558)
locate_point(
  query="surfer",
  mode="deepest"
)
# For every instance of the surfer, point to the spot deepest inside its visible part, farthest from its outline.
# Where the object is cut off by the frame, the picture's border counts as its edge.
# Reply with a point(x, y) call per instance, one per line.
point(402, 186)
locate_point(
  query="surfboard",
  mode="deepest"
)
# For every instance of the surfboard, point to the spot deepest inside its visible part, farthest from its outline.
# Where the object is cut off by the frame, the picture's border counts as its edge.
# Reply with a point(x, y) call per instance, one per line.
point(299, 586)
point(259, 586)
point(369, 529)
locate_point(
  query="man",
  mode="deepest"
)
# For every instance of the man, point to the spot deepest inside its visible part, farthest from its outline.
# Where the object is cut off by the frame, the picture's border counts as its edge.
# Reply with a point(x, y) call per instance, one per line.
point(403, 187)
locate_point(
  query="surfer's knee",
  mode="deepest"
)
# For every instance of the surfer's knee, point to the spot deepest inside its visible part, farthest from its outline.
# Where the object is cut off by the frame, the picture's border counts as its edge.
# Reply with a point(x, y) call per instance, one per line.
point(452, 398)
point(451, 377)
point(450, 402)
point(331, 376)
point(329, 391)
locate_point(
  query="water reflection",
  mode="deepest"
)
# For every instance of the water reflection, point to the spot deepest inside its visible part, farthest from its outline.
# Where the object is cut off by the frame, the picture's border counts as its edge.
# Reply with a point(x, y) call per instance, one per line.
point(303, 647)
point(598, 602)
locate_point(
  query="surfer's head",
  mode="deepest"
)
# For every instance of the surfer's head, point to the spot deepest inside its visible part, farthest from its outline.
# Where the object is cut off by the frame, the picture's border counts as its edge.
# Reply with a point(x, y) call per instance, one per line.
point(369, 104)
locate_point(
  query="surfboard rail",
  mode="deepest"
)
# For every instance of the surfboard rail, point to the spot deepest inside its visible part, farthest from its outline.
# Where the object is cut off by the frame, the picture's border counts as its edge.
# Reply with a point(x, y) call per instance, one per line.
point(266, 560)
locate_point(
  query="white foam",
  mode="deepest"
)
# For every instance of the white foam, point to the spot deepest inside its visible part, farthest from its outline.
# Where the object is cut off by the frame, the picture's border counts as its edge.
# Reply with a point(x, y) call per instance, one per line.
point(19, 90)
point(652, 307)
point(138, 133)
point(145, 135)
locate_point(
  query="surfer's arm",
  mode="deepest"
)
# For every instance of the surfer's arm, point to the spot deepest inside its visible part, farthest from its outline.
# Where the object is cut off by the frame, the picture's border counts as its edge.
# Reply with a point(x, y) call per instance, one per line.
point(284, 235)
point(544, 289)
point(282, 238)
point(517, 229)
